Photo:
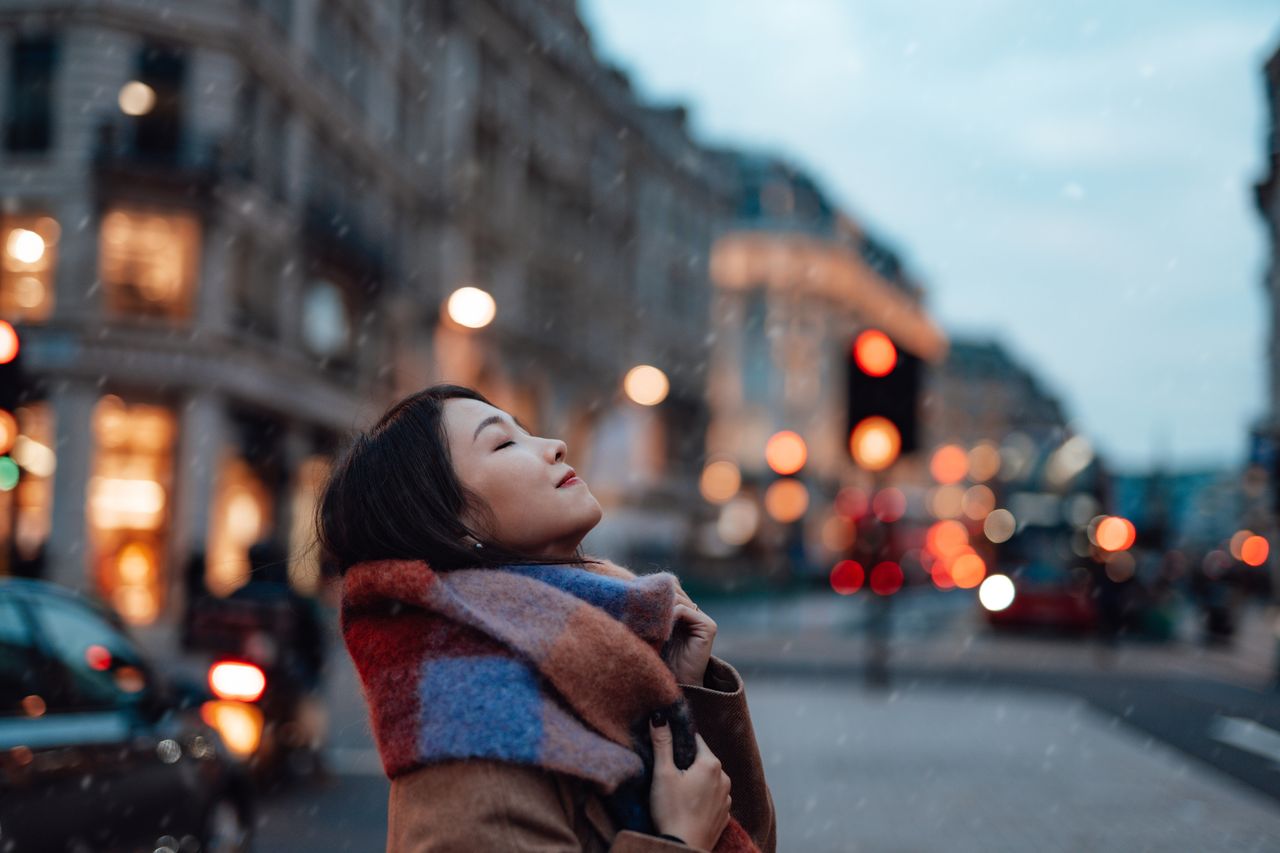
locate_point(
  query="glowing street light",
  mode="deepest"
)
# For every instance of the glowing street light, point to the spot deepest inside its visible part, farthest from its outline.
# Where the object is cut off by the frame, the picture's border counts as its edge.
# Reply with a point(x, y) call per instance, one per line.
point(786, 452)
point(471, 307)
point(646, 385)
point(136, 98)
point(25, 246)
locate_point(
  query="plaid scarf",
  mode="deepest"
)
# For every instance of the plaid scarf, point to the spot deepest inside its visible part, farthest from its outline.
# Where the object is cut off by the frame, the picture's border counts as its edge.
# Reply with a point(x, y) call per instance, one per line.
point(553, 666)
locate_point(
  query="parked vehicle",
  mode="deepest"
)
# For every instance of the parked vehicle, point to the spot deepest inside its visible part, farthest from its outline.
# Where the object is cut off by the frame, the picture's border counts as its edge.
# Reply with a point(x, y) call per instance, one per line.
point(98, 750)
point(265, 646)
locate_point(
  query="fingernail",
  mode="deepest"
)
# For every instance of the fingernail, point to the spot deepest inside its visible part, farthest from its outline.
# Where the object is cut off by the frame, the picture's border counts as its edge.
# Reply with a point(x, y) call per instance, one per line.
point(658, 718)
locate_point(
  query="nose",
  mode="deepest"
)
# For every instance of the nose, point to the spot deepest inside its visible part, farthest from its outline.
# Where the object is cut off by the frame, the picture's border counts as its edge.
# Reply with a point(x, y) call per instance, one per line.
point(558, 449)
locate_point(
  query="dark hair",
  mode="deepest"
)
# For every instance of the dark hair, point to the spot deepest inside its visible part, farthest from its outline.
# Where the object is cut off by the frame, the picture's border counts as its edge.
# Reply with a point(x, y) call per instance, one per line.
point(393, 494)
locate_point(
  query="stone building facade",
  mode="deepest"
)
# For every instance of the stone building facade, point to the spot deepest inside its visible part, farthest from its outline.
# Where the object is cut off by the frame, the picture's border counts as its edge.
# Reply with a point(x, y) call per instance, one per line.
point(229, 229)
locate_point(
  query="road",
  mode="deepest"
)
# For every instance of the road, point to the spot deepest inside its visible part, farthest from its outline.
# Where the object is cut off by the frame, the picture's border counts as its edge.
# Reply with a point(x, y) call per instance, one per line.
point(956, 753)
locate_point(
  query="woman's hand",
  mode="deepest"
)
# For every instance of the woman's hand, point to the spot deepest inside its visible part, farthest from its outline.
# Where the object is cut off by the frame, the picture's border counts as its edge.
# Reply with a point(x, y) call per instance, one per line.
point(691, 804)
point(691, 639)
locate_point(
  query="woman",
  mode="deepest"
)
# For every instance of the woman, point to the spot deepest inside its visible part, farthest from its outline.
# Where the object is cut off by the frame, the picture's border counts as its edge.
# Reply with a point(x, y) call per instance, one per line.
point(522, 695)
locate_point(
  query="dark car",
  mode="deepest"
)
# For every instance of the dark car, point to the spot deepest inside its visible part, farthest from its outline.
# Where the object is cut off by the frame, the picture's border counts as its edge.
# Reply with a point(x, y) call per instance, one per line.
point(97, 750)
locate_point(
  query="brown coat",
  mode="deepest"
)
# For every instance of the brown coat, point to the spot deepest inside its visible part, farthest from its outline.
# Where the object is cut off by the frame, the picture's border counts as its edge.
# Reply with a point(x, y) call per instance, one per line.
point(473, 805)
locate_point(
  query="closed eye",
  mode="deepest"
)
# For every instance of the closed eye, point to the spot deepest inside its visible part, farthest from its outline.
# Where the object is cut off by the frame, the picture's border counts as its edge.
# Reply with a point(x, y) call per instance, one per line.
point(504, 444)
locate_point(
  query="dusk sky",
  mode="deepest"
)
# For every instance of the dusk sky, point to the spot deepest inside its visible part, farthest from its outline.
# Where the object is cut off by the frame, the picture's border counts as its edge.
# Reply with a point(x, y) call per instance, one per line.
point(1074, 179)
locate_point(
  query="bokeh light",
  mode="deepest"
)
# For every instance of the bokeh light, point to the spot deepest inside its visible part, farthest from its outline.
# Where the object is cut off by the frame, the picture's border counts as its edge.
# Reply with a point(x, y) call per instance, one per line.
point(978, 502)
point(984, 462)
point(949, 464)
point(1254, 551)
point(1120, 566)
point(874, 353)
point(786, 500)
point(9, 343)
point(875, 443)
point(8, 430)
point(1115, 533)
point(852, 502)
point(838, 533)
point(886, 578)
point(946, 501)
point(739, 519)
point(889, 505)
point(136, 98)
point(646, 385)
point(996, 593)
point(999, 526)
point(471, 307)
point(25, 246)
point(720, 481)
point(968, 570)
point(947, 538)
point(786, 452)
point(847, 577)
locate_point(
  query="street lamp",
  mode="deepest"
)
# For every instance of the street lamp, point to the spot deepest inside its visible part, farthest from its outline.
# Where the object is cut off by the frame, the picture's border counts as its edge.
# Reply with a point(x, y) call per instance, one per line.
point(471, 307)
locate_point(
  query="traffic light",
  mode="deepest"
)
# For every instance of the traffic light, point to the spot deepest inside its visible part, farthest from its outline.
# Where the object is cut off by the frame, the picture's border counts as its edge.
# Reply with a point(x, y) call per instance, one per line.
point(11, 381)
point(883, 399)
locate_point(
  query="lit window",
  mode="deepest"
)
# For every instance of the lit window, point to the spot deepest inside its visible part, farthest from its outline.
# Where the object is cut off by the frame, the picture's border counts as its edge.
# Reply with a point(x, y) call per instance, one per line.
point(28, 256)
point(128, 504)
point(149, 262)
point(240, 516)
point(304, 557)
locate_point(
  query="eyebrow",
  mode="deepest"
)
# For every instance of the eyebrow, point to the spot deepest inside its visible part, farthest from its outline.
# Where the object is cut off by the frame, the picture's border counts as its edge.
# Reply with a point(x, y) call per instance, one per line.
point(494, 419)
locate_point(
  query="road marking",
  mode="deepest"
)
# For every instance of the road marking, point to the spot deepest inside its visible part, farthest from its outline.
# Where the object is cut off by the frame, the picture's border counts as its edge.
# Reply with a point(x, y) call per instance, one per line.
point(354, 762)
point(1247, 735)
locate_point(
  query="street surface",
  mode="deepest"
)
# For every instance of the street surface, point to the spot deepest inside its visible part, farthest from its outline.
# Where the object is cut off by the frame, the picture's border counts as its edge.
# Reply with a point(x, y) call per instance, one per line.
point(979, 742)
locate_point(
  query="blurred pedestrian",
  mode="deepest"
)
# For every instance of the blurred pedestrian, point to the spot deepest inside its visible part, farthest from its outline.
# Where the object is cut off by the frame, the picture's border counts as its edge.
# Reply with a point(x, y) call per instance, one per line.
point(522, 694)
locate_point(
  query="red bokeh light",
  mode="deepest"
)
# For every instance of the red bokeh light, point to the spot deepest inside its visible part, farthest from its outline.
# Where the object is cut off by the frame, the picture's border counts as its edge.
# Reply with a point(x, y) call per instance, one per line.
point(875, 353)
point(98, 658)
point(889, 504)
point(886, 578)
point(847, 577)
point(852, 502)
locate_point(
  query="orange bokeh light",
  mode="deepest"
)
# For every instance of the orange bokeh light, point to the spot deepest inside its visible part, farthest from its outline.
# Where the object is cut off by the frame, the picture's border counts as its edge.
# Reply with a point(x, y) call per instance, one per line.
point(875, 443)
point(947, 538)
point(1115, 533)
point(941, 575)
point(786, 452)
point(1254, 551)
point(875, 353)
point(968, 570)
point(949, 464)
point(8, 342)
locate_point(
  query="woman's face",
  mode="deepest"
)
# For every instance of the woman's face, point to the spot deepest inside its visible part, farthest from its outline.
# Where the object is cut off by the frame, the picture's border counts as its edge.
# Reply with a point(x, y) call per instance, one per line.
point(517, 475)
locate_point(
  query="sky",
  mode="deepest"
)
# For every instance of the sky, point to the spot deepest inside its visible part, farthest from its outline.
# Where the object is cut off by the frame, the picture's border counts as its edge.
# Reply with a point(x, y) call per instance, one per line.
point(1073, 178)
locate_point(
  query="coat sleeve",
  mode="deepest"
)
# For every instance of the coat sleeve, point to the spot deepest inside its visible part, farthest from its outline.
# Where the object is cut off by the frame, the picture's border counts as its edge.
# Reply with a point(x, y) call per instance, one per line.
point(464, 806)
point(719, 707)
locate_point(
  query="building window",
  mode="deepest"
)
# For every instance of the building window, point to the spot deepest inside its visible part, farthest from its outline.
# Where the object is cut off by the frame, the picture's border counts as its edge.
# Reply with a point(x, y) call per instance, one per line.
point(128, 504)
point(241, 514)
point(29, 244)
point(149, 262)
point(29, 117)
point(304, 554)
point(157, 133)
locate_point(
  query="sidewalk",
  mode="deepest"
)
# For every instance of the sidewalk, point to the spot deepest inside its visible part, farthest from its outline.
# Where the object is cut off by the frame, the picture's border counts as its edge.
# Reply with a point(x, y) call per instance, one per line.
point(930, 769)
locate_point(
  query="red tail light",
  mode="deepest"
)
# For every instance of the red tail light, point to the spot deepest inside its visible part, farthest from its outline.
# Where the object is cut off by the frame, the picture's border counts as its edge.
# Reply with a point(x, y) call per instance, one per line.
point(234, 680)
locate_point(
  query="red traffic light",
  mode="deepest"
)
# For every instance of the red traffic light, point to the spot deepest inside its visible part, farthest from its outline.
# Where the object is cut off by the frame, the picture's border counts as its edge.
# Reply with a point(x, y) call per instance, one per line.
point(8, 342)
point(875, 353)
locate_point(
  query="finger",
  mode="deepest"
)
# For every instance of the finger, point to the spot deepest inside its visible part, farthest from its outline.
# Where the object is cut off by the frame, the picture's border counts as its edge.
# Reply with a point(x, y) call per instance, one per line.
point(661, 737)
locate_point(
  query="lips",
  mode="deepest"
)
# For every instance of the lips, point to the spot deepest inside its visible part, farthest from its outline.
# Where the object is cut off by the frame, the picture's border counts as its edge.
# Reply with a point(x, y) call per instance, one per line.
point(566, 478)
